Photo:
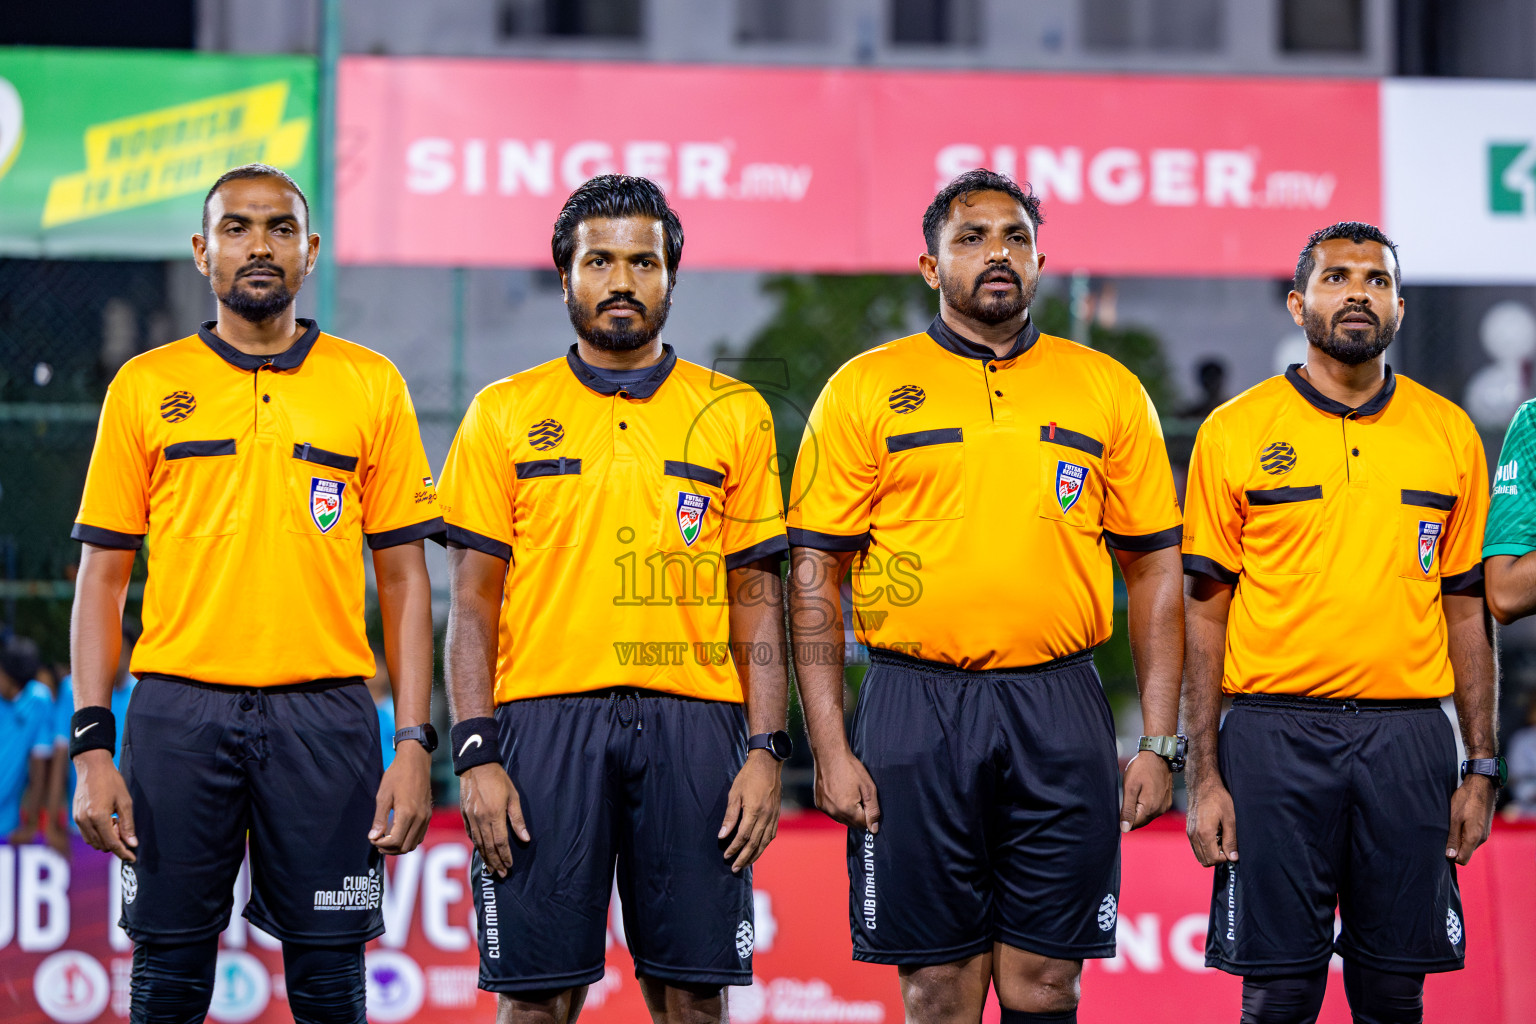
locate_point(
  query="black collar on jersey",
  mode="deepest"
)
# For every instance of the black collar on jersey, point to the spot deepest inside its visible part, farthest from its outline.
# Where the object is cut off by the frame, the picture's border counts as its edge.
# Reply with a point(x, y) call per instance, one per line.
point(290, 358)
point(639, 389)
point(942, 333)
point(1325, 404)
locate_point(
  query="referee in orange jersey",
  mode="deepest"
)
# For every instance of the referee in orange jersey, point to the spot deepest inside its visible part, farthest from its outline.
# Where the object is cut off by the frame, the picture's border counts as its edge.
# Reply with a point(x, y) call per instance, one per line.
point(1334, 526)
point(977, 481)
point(616, 639)
point(254, 458)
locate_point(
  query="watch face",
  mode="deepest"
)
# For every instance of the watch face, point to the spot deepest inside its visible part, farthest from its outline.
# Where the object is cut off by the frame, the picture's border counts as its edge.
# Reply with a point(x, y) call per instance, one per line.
point(780, 745)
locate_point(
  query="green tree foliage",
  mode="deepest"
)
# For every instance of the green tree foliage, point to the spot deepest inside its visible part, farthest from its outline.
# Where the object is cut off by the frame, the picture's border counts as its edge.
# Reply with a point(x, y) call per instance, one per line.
point(822, 321)
point(1139, 349)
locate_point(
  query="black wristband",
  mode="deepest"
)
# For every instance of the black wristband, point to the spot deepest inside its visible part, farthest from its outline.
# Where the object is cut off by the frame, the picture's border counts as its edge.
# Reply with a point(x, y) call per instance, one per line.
point(474, 744)
point(92, 728)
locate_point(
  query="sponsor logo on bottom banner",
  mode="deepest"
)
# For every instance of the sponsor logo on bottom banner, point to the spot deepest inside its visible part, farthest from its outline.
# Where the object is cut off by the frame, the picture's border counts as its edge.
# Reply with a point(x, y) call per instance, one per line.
point(793, 1001)
point(71, 987)
point(242, 988)
point(395, 987)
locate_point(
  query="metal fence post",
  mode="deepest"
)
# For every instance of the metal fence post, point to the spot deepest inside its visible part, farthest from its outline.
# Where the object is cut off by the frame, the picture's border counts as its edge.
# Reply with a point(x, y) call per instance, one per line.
point(325, 188)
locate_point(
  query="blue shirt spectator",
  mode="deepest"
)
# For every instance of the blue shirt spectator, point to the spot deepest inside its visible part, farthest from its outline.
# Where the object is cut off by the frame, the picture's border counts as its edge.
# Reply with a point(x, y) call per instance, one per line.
point(387, 728)
point(384, 700)
point(26, 729)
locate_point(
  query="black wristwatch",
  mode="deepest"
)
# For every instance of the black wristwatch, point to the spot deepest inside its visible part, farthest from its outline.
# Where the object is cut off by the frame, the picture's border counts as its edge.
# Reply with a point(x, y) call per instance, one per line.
point(776, 743)
point(1496, 768)
point(1172, 749)
point(423, 734)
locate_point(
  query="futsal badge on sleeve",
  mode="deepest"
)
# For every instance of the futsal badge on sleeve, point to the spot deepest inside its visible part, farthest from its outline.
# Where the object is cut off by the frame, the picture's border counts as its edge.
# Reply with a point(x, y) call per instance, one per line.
point(690, 514)
point(1429, 538)
point(1069, 484)
point(325, 502)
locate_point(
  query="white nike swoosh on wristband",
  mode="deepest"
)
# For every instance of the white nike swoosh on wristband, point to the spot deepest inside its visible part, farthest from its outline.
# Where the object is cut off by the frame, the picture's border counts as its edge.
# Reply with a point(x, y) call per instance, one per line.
point(473, 741)
point(88, 728)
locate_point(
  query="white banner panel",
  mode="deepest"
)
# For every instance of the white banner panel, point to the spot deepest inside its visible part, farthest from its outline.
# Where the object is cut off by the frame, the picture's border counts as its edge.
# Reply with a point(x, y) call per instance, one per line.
point(1458, 162)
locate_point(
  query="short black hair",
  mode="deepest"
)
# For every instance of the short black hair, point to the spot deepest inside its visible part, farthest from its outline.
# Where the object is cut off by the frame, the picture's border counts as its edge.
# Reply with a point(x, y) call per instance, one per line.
point(245, 171)
point(616, 195)
point(20, 660)
point(1354, 230)
point(979, 180)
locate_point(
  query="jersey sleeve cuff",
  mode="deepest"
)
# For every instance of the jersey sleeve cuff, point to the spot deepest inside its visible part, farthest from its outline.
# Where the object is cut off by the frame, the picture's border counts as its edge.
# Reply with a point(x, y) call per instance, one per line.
point(827, 541)
point(1168, 538)
point(1461, 582)
point(1199, 565)
point(774, 547)
point(430, 529)
point(1489, 550)
point(458, 537)
point(106, 538)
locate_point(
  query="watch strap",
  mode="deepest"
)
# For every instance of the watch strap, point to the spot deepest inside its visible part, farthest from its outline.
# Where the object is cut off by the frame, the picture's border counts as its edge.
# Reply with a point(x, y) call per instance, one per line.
point(1494, 768)
point(771, 742)
point(423, 734)
point(1170, 748)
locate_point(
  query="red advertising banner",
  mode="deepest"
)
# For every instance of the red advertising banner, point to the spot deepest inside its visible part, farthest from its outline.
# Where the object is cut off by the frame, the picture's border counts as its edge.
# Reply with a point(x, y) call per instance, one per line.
point(62, 962)
point(466, 162)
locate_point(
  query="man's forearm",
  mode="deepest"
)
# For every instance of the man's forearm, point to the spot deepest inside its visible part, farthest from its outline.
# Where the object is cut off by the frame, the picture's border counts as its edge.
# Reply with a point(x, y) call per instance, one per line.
point(405, 605)
point(1470, 638)
point(1154, 583)
point(816, 624)
point(757, 643)
point(96, 623)
point(1205, 641)
point(469, 652)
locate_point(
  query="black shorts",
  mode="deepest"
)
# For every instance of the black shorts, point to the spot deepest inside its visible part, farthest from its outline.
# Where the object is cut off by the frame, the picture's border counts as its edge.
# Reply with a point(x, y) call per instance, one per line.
point(999, 800)
point(294, 768)
point(632, 776)
point(1337, 802)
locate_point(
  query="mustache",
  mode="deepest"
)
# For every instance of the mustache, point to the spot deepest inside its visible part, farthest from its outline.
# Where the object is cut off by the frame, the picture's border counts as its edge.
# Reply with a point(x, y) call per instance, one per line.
point(1354, 310)
point(999, 273)
point(251, 268)
point(620, 302)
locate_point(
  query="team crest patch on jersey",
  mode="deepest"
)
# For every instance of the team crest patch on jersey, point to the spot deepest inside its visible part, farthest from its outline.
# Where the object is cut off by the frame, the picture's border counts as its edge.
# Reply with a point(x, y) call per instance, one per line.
point(907, 398)
point(690, 514)
point(1069, 484)
point(545, 434)
point(325, 502)
point(1277, 459)
point(1429, 538)
point(177, 406)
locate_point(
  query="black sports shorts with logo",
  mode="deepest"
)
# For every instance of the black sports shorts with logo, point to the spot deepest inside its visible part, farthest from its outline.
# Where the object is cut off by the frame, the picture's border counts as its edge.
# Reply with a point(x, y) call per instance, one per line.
point(636, 777)
point(999, 801)
point(293, 769)
point(1345, 802)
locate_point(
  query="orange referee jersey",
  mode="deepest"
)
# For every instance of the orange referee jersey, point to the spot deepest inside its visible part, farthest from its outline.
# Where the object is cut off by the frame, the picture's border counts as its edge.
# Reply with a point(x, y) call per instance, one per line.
point(619, 508)
point(1340, 528)
point(983, 494)
point(255, 481)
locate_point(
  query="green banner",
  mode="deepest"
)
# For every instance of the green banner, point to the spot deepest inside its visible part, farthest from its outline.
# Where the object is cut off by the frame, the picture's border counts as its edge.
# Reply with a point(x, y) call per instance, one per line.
point(109, 152)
